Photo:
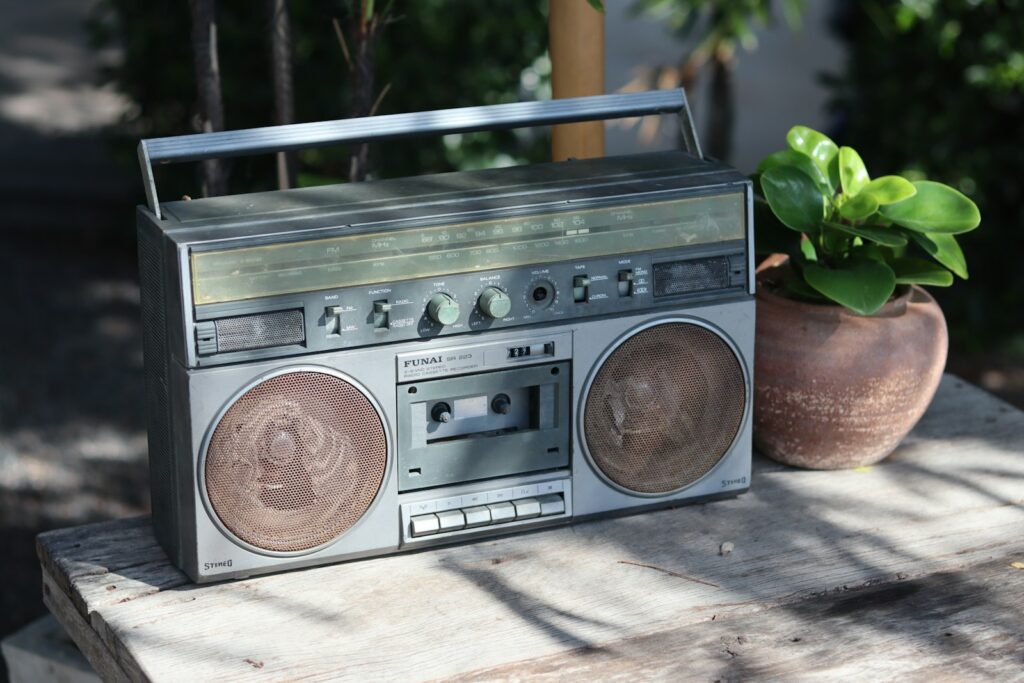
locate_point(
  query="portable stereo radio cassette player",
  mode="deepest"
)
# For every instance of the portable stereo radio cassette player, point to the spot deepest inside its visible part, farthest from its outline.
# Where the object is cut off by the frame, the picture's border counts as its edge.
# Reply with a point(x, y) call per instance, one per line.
point(359, 369)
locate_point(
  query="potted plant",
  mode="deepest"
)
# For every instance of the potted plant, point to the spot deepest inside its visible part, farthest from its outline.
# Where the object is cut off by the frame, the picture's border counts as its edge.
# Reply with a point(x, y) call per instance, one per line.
point(850, 348)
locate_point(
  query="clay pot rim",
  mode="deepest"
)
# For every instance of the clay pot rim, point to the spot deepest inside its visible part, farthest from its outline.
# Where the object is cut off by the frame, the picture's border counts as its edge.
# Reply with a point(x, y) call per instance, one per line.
point(896, 305)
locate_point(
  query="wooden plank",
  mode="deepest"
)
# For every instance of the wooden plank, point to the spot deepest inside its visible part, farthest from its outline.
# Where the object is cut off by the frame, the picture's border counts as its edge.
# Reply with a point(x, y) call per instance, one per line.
point(954, 626)
point(949, 499)
point(78, 628)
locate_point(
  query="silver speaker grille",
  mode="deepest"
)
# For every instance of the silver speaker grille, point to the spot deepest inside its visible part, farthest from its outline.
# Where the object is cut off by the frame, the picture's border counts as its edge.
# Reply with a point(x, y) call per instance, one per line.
point(664, 408)
point(295, 461)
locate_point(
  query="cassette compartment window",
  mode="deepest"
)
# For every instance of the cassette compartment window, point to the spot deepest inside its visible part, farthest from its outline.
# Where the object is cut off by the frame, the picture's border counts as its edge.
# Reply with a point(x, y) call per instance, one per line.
point(330, 263)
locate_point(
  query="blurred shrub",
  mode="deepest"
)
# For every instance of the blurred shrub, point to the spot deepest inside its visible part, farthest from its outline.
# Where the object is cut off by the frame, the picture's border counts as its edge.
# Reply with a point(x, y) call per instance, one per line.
point(439, 54)
point(937, 87)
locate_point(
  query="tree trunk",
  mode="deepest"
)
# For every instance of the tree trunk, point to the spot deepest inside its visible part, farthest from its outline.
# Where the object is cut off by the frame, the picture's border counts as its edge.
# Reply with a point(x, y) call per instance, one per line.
point(207, 70)
point(365, 37)
point(723, 109)
point(281, 77)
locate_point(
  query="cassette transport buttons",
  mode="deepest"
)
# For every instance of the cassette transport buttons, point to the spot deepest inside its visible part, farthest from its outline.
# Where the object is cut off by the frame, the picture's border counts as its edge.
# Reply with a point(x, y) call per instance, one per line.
point(450, 520)
point(526, 508)
point(425, 525)
point(502, 512)
point(520, 503)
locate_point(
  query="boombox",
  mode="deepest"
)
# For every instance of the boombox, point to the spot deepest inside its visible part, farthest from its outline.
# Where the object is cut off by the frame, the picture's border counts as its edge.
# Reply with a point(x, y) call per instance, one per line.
point(351, 370)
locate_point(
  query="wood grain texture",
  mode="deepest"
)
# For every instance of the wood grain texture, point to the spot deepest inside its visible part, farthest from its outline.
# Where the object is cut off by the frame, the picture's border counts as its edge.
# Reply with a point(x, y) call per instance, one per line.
point(81, 632)
point(951, 498)
point(953, 626)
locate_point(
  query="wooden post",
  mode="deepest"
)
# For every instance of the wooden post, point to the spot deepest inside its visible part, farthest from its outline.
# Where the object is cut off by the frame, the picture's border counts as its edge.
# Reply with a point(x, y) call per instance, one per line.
point(576, 44)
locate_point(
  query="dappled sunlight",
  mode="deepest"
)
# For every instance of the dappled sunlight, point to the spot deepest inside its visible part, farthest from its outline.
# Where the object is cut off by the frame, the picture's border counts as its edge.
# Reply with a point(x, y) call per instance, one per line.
point(49, 73)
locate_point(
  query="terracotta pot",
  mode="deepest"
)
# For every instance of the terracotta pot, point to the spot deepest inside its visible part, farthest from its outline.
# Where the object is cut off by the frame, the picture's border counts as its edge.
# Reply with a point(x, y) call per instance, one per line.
point(834, 389)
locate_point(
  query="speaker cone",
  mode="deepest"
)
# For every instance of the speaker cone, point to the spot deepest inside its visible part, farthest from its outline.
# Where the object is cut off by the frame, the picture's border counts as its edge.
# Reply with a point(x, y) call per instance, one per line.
point(664, 408)
point(295, 461)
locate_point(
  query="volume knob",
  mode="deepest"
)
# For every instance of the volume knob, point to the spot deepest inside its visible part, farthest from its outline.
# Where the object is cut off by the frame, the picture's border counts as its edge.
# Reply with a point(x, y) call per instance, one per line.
point(494, 303)
point(443, 309)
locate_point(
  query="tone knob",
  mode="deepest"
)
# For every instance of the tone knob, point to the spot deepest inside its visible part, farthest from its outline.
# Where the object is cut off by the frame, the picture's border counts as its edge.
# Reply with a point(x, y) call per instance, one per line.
point(494, 303)
point(443, 309)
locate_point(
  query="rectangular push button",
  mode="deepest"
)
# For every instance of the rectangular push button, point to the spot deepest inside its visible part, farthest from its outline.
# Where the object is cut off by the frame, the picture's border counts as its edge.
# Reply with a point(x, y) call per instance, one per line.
point(527, 508)
point(502, 512)
point(551, 504)
point(451, 520)
point(477, 516)
point(425, 525)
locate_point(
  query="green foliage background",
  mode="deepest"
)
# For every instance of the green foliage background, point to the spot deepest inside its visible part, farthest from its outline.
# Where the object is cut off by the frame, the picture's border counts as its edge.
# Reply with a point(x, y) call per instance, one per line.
point(932, 87)
point(937, 87)
point(438, 54)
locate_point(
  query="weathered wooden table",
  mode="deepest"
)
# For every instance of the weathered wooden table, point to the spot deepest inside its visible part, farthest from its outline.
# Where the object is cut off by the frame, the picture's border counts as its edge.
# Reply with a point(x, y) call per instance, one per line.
point(913, 568)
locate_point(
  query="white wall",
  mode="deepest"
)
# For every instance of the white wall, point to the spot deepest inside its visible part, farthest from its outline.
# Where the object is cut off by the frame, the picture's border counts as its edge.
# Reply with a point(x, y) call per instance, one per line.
point(776, 86)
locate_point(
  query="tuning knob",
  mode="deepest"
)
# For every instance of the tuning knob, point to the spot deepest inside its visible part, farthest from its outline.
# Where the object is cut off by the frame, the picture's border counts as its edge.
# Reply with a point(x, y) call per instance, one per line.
point(494, 303)
point(443, 309)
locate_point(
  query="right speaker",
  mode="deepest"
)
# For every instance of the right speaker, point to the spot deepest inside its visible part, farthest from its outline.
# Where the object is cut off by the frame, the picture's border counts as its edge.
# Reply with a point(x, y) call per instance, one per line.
point(664, 407)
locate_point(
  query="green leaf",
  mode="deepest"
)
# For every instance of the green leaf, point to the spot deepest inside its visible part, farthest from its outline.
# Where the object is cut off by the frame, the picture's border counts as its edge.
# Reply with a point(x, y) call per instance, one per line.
point(935, 208)
point(883, 236)
point(807, 249)
point(796, 284)
point(802, 162)
point(916, 271)
point(833, 173)
point(852, 172)
point(858, 207)
point(596, 4)
point(944, 249)
point(889, 189)
point(821, 150)
point(863, 286)
point(794, 198)
point(869, 250)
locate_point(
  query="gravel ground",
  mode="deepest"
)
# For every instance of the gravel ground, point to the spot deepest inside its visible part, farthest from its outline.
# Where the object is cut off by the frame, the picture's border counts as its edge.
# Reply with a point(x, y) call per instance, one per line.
point(72, 433)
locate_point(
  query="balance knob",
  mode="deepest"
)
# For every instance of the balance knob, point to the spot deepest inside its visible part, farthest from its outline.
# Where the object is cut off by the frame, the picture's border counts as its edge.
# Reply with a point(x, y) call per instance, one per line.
point(494, 303)
point(443, 309)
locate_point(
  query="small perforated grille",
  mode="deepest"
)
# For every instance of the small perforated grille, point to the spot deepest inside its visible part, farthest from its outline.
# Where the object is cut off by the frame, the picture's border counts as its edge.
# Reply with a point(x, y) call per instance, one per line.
point(693, 275)
point(664, 408)
point(260, 331)
point(296, 461)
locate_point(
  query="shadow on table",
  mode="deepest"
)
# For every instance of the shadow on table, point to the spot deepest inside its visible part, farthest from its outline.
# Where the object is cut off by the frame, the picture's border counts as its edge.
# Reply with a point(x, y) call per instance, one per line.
point(791, 526)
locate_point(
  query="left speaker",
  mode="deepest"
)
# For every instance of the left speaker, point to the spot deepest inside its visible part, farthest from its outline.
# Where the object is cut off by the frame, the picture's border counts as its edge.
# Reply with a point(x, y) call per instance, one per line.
point(294, 461)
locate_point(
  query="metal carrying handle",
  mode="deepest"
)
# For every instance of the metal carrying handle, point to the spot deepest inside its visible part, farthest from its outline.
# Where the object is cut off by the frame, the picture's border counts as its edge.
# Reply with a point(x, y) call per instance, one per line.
point(271, 139)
